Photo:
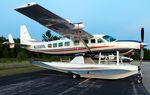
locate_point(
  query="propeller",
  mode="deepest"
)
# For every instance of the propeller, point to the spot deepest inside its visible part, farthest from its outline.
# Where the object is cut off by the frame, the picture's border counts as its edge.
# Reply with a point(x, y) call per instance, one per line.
point(142, 34)
point(141, 45)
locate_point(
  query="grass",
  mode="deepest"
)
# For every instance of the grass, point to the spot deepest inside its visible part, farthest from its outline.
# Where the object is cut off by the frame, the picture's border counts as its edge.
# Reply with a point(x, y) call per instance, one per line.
point(8, 60)
point(14, 71)
point(12, 68)
point(14, 65)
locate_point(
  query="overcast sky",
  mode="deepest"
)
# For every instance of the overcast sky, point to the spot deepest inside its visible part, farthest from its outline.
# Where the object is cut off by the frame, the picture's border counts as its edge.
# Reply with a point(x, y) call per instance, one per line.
point(121, 19)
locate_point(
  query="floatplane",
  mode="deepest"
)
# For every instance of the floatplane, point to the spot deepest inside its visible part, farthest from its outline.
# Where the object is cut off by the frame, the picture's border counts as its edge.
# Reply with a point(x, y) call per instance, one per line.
point(78, 41)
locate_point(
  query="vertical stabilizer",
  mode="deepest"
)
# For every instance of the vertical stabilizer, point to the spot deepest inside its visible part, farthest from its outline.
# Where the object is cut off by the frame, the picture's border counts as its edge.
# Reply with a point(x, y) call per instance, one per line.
point(11, 41)
point(24, 35)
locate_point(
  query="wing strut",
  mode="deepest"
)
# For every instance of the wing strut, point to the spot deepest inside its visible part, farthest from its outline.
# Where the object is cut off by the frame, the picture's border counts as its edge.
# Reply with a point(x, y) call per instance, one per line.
point(85, 45)
point(80, 38)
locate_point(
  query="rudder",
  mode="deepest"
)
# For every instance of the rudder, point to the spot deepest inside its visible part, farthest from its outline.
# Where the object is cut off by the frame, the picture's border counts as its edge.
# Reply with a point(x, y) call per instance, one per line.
point(24, 35)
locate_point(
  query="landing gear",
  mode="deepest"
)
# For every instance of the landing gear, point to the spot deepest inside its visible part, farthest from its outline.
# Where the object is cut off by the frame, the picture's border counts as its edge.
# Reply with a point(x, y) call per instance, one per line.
point(139, 77)
point(74, 76)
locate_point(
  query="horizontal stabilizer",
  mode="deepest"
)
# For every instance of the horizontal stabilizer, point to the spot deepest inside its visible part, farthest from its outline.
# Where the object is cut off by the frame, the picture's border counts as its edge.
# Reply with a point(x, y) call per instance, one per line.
point(11, 41)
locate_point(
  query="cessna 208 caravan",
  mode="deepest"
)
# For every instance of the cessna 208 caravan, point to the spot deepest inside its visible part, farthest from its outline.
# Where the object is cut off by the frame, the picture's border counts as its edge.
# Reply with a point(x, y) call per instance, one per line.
point(76, 41)
point(97, 43)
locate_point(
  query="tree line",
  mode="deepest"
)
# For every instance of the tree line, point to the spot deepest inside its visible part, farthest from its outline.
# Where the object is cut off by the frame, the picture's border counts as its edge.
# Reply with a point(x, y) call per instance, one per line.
point(22, 54)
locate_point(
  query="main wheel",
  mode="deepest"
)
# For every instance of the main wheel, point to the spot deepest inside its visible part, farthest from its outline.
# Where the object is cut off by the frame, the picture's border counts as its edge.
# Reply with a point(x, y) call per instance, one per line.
point(74, 76)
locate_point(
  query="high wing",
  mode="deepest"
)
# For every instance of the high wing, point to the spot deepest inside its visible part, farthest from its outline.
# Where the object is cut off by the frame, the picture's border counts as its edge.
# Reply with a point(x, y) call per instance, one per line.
point(52, 21)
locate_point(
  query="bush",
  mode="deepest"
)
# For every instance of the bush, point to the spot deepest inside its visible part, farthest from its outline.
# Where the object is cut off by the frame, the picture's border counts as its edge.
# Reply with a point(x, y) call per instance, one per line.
point(21, 56)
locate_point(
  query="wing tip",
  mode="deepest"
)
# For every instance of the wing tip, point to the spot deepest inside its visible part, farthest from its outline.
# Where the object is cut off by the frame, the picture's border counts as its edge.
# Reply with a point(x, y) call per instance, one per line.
point(26, 5)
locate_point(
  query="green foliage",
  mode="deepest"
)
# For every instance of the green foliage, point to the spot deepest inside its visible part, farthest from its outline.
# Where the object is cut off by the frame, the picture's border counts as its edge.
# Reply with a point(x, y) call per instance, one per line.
point(1, 50)
point(12, 53)
point(21, 55)
point(17, 40)
point(5, 53)
point(146, 54)
point(49, 37)
point(2, 39)
point(9, 60)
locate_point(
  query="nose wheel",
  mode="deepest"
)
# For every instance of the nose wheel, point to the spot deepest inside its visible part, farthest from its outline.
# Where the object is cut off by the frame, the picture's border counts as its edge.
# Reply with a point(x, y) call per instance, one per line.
point(139, 79)
point(139, 76)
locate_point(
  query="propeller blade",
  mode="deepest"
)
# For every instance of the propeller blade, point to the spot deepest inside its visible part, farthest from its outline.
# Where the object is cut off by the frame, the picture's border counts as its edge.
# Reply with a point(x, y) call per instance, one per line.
point(141, 45)
point(142, 34)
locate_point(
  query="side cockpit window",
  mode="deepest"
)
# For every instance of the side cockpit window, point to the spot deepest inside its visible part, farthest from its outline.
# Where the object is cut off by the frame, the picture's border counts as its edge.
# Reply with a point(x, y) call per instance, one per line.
point(92, 41)
point(86, 41)
point(99, 40)
point(76, 42)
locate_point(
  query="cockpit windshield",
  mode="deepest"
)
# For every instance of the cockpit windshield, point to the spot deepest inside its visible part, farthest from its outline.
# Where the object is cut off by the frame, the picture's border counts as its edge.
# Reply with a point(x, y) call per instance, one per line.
point(109, 38)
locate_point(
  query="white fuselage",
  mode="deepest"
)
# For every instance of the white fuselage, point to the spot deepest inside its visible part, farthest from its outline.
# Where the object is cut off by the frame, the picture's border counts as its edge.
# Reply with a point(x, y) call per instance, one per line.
point(96, 44)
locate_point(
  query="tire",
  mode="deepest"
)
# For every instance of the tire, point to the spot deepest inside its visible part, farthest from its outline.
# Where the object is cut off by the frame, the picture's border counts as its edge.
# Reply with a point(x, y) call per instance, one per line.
point(74, 76)
point(139, 79)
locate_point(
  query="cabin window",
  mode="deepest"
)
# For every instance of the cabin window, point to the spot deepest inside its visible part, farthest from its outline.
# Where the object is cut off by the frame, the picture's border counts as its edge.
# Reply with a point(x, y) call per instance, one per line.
point(92, 40)
point(99, 40)
point(54, 45)
point(60, 44)
point(86, 41)
point(76, 42)
point(49, 45)
point(67, 43)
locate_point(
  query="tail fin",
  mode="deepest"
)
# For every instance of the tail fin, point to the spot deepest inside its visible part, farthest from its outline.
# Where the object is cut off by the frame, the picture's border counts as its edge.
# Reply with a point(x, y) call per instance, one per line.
point(11, 41)
point(24, 35)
